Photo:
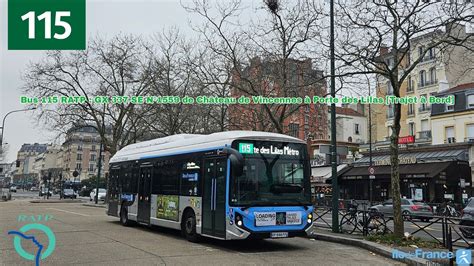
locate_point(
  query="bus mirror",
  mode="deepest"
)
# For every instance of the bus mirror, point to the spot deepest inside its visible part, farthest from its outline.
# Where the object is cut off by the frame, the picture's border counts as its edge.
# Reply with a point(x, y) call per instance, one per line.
point(237, 164)
point(236, 161)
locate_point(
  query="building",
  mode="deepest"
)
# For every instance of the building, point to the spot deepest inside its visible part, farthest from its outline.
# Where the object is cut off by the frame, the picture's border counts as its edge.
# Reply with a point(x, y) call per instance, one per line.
point(437, 71)
point(454, 123)
point(351, 124)
point(80, 152)
point(26, 172)
point(264, 78)
point(428, 173)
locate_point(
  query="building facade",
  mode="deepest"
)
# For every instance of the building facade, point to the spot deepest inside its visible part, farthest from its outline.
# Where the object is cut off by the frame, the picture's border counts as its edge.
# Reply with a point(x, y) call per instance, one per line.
point(264, 78)
point(438, 70)
point(80, 152)
point(351, 124)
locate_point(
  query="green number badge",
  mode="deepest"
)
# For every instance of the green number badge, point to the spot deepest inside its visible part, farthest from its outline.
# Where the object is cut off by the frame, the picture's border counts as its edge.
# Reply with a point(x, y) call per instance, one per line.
point(46, 24)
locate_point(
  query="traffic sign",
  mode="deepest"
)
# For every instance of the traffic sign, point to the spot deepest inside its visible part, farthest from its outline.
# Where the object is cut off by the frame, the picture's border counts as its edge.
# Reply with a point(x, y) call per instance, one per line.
point(371, 170)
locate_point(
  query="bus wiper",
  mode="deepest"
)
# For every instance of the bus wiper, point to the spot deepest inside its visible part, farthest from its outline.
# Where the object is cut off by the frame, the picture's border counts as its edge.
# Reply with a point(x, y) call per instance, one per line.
point(285, 188)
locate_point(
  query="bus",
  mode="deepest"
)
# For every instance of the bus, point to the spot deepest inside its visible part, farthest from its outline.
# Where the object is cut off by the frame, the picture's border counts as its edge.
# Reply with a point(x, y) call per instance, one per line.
point(228, 185)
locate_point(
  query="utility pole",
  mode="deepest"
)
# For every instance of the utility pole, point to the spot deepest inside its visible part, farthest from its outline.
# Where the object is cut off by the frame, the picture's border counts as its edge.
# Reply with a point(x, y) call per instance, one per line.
point(99, 166)
point(370, 152)
point(335, 186)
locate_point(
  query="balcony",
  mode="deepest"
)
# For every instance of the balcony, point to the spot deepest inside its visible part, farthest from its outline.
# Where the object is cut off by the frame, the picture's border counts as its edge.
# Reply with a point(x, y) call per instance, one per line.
point(425, 135)
point(427, 83)
point(424, 108)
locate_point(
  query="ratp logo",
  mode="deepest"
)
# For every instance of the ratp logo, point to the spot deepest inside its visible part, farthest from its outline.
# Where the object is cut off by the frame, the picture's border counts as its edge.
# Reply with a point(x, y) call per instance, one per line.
point(463, 257)
point(21, 234)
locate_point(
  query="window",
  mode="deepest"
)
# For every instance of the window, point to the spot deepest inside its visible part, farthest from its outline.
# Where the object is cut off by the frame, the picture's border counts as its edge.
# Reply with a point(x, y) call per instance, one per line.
point(93, 148)
point(420, 52)
point(190, 177)
point(167, 178)
point(411, 129)
point(423, 106)
point(78, 166)
point(469, 132)
point(450, 106)
point(79, 157)
point(92, 157)
point(433, 75)
point(411, 109)
point(425, 125)
point(422, 78)
point(79, 147)
point(356, 129)
point(294, 129)
point(449, 133)
point(91, 167)
point(431, 53)
point(470, 101)
point(410, 84)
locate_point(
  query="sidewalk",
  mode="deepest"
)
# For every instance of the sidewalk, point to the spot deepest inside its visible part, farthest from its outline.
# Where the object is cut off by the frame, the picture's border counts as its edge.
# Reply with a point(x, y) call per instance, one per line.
point(357, 240)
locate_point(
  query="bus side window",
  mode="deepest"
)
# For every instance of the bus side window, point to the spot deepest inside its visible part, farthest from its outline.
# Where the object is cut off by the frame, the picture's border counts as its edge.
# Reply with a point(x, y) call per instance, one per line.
point(156, 179)
point(190, 177)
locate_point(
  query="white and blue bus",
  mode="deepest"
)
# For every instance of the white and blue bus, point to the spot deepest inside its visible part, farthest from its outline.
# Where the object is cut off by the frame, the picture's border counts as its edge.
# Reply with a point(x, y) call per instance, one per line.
point(228, 185)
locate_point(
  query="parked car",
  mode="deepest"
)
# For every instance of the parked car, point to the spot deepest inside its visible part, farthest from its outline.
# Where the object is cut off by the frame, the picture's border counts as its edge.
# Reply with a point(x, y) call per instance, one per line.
point(410, 209)
point(13, 189)
point(44, 191)
point(33, 189)
point(69, 193)
point(467, 219)
point(102, 194)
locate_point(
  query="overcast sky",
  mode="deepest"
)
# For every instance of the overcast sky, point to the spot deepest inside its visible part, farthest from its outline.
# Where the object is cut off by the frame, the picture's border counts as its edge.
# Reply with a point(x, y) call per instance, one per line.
point(107, 18)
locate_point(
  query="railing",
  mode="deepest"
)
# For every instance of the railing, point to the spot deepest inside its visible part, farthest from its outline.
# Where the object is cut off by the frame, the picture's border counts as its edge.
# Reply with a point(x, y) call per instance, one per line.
point(426, 134)
point(427, 83)
point(425, 108)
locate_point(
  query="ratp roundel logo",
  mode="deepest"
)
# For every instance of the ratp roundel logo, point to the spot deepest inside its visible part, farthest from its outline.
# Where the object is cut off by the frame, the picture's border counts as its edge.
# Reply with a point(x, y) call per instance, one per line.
point(41, 251)
point(463, 257)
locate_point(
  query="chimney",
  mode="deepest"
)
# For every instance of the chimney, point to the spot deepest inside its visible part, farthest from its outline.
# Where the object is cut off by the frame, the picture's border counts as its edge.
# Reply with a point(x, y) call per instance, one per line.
point(443, 85)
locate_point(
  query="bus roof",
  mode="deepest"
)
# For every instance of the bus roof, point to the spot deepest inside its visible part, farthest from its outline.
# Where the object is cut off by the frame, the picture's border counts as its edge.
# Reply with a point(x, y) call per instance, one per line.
point(186, 143)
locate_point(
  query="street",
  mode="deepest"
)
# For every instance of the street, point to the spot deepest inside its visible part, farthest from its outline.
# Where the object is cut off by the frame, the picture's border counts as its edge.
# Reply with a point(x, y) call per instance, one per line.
point(86, 236)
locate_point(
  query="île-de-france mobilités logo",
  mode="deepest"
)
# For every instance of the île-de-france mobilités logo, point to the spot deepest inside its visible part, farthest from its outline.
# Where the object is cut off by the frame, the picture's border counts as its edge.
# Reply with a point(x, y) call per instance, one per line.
point(32, 232)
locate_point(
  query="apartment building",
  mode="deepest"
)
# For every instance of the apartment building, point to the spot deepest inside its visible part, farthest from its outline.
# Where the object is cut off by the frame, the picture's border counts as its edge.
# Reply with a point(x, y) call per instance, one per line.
point(81, 153)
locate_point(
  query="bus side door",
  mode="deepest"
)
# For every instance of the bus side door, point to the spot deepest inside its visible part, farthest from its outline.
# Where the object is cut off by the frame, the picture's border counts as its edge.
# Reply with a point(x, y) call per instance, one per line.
point(213, 200)
point(144, 194)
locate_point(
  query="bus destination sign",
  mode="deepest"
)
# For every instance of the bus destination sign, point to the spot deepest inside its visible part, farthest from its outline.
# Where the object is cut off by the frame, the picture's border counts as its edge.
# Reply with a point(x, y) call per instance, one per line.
point(249, 148)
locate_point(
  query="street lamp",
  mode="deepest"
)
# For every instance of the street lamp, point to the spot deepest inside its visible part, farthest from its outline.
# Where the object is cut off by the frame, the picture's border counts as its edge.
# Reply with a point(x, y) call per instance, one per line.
point(5, 117)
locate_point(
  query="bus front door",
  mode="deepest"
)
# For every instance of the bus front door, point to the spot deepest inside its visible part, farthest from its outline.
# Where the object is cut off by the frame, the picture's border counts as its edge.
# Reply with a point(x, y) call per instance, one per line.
point(144, 195)
point(213, 216)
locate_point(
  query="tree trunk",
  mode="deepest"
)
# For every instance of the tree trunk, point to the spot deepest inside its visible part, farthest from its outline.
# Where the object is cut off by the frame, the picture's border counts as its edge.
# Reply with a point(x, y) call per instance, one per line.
point(395, 178)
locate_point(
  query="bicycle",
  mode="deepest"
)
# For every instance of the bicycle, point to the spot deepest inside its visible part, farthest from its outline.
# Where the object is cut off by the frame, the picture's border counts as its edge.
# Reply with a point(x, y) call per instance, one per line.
point(354, 219)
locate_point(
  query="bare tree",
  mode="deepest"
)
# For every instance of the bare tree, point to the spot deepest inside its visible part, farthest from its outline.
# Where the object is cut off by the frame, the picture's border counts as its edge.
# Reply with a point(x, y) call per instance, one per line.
point(116, 67)
point(364, 28)
point(280, 35)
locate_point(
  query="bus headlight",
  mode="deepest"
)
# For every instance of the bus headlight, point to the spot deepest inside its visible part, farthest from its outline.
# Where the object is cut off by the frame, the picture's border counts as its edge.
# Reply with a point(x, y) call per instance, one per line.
point(238, 220)
point(310, 216)
point(310, 221)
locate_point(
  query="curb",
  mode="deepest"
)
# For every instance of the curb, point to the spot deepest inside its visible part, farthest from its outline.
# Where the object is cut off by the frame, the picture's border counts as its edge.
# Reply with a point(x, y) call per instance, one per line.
point(373, 247)
point(55, 201)
point(94, 205)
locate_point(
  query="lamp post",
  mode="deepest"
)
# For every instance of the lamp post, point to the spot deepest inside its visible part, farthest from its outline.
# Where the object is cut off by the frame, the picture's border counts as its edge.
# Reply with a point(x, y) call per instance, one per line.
point(5, 117)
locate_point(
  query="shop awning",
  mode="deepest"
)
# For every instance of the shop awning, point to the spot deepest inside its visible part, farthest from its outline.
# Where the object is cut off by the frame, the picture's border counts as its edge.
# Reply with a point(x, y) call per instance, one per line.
point(428, 169)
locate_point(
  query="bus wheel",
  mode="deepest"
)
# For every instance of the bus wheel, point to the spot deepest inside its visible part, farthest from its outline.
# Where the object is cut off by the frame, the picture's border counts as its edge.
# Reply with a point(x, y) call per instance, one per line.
point(124, 217)
point(189, 227)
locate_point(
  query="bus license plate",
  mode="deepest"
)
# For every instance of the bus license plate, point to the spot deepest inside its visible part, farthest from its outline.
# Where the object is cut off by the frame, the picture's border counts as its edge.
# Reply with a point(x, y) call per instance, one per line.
point(279, 234)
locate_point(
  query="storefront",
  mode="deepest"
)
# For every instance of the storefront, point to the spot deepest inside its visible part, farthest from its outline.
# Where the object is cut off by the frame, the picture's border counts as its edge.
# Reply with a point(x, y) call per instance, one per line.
point(428, 176)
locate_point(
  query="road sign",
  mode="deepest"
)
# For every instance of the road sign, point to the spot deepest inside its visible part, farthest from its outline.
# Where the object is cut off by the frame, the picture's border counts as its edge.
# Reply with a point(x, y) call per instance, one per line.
point(371, 177)
point(371, 170)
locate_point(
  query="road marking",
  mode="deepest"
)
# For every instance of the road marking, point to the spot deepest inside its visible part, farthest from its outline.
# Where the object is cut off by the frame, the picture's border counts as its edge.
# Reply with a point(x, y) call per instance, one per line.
point(426, 228)
point(81, 214)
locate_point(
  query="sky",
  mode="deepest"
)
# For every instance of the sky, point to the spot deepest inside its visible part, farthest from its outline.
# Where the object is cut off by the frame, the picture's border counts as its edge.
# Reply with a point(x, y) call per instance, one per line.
point(105, 18)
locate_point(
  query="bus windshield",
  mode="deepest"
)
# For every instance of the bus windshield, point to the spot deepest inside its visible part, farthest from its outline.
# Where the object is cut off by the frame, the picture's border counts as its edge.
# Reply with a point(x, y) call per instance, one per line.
point(274, 174)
